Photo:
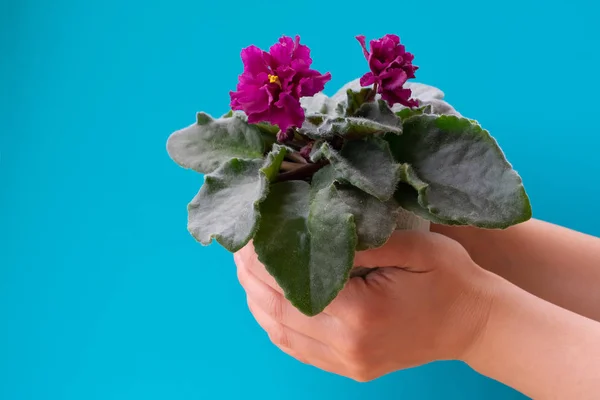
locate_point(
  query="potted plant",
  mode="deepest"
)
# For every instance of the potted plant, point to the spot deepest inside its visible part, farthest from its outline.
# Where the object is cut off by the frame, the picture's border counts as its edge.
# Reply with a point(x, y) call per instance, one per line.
point(312, 179)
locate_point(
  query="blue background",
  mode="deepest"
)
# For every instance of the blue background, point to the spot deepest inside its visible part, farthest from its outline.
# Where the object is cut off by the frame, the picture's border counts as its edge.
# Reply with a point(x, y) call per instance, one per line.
point(105, 295)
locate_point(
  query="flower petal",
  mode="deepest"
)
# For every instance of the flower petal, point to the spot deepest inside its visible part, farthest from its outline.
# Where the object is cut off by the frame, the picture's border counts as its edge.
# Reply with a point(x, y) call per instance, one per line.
point(393, 79)
point(251, 100)
point(281, 52)
point(253, 60)
point(367, 79)
point(401, 96)
point(285, 113)
point(301, 56)
point(310, 85)
point(391, 66)
point(362, 40)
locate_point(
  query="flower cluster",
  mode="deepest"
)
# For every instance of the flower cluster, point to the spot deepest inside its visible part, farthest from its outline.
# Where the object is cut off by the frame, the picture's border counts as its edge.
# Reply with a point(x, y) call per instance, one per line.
point(391, 66)
point(272, 83)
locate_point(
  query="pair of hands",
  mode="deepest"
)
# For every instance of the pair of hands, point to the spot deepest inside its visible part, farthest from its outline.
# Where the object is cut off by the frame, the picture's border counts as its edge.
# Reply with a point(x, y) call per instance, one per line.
point(430, 301)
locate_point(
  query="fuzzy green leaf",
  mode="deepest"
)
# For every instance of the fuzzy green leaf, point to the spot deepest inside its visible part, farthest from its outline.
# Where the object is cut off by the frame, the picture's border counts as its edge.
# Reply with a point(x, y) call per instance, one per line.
point(367, 164)
point(440, 107)
point(307, 243)
point(209, 143)
point(379, 111)
point(408, 198)
point(432, 106)
point(227, 206)
point(346, 127)
point(375, 220)
point(318, 104)
point(354, 100)
point(459, 172)
point(406, 113)
point(425, 94)
point(420, 91)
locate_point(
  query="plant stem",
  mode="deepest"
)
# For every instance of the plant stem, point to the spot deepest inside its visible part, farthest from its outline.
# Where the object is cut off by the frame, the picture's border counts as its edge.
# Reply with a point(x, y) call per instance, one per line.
point(290, 166)
point(296, 157)
point(373, 93)
point(301, 173)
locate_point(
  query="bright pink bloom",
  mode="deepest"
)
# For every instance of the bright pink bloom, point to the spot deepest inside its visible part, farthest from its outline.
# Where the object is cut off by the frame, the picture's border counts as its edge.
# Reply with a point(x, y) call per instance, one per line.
point(391, 66)
point(270, 88)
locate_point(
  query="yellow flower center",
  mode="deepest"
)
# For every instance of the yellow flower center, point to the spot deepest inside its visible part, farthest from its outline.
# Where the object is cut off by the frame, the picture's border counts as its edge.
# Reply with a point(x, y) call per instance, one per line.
point(274, 79)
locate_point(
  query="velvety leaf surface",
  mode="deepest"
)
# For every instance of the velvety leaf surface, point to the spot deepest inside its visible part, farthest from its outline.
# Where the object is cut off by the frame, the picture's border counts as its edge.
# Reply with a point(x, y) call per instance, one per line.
point(440, 107)
point(227, 206)
point(366, 164)
point(318, 104)
point(408, 198)
point(375, 220)
point(346, 127)
point(420, 91)
point(460, 173)
point(209, 143)
point(427, 95)
point(379, 111)
point(406, 112)
point(307, 243)
point(433, 106)
point(354, 100)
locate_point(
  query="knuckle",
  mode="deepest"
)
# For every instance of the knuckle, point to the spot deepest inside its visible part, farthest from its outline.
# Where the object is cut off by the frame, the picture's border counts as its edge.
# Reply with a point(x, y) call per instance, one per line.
point(279, 335)
point(360, 318)
point(353, 349)
point(274, 306)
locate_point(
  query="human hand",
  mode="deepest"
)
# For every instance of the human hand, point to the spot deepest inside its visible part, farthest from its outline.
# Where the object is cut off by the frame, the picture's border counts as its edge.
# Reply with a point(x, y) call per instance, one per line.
point(428, 302)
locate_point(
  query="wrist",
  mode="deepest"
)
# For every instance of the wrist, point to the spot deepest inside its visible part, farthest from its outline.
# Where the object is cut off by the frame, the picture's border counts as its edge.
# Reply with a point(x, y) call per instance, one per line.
point(496, 298)
point(527, 340)
point(479, 310)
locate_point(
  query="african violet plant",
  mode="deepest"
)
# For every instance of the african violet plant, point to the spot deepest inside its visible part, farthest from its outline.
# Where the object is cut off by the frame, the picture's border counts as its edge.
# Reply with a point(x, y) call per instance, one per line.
point(312, 179)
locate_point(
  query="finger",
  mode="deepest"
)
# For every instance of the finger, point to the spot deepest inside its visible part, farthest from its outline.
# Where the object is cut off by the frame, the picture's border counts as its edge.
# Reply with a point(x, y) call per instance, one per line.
point(333, 365)
point(299, 346)
point(246, 258)
point(412, 250)
point(274, 304)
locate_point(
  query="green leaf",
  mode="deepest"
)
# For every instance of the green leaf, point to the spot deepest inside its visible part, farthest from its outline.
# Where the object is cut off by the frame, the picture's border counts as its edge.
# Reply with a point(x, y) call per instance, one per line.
point(346, 127)
point(420, 91)
point(406, 112)
point(323, 178)
point(267, 128)
point(318, 104)
point(434, 106)
point(459, 172)
point(227, 206)
point(354, 100)
point(367, 164)
point(307, 246)
point(440, 107)
point(379, 111)
point(209, 143)
point(424, 92)
point(375, 220)
point(408, 198)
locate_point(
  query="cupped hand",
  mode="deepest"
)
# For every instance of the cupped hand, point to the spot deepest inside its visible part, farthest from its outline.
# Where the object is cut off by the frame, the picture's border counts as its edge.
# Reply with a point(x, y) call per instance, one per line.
point(427, 301)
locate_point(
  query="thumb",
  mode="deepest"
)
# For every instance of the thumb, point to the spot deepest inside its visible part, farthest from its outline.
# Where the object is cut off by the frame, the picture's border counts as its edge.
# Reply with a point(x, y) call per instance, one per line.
point(419, 251)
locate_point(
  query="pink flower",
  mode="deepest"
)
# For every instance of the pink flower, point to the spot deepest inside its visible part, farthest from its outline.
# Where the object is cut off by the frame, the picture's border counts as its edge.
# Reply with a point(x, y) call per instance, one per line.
point(270, 88)
point(391, 66)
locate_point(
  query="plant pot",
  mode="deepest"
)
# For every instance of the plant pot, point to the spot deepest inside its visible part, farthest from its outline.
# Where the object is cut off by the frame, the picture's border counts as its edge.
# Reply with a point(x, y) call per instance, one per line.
point(404, 221)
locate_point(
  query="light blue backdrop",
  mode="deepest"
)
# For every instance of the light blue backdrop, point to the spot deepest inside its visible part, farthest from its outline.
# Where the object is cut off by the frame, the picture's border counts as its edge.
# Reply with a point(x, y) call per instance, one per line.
point(104, 295)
